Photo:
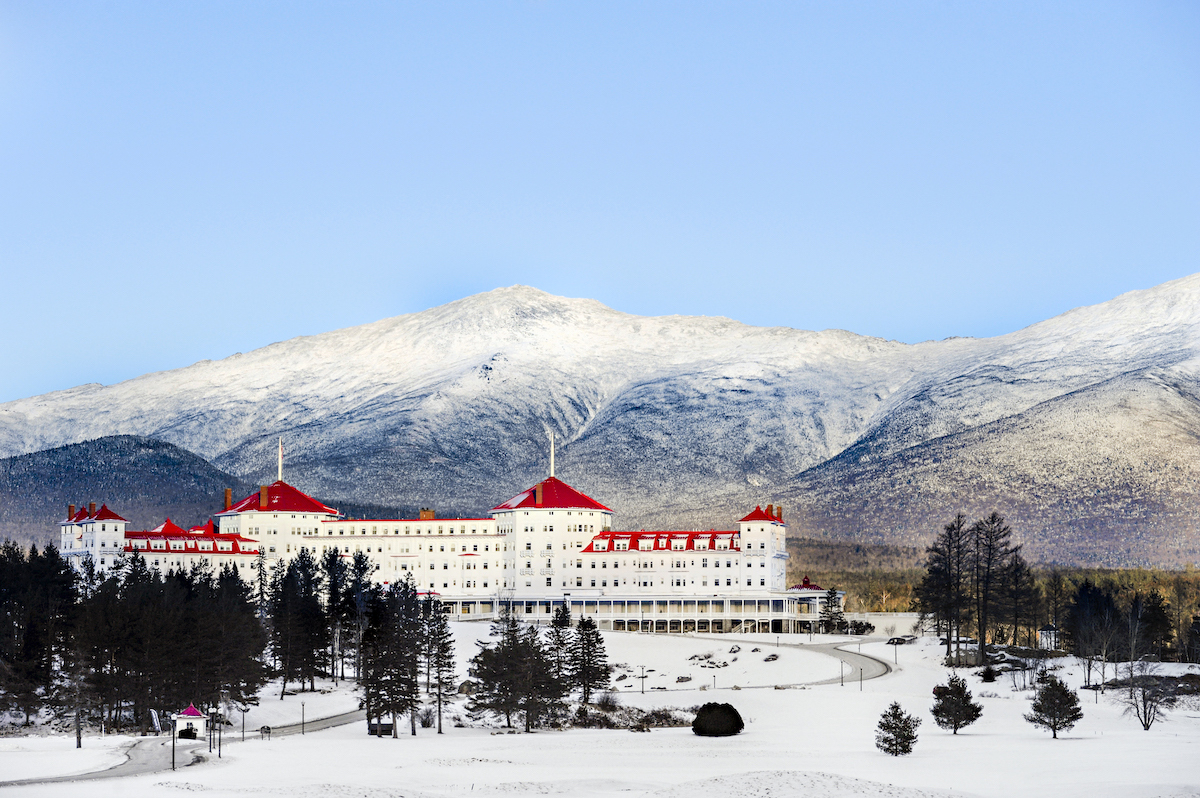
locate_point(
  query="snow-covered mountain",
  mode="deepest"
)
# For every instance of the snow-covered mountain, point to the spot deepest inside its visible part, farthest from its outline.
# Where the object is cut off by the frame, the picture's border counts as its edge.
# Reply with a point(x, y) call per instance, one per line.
point(1082, 429)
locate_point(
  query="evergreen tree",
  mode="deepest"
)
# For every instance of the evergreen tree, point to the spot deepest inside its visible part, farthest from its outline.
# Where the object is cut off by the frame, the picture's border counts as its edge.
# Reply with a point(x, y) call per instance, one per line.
point(334, 572)
point(539, 692)
point(588, 667)
point(833, 619)
point(495, 669)
point(1055, 707)
point(944, 592)
point(514, 675)
point(358, 591)
point(952, 705)
point(440, 647)
point(992, 548)
point(558, 640)
point(375, 666)
point(897, 731)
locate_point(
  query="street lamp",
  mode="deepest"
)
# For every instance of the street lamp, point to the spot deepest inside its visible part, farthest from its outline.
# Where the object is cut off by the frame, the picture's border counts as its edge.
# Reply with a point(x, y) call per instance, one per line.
point(302, 717)
point(173, 735)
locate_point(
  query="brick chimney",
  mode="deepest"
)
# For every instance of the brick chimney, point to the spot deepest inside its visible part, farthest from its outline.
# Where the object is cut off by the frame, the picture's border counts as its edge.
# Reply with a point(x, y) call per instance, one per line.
point(537, 494)
point(91, 509)
point(771, 510)
point(228, 498)
point(779, 512)
point(70, 511)
point(427, 514)
point(262, 497)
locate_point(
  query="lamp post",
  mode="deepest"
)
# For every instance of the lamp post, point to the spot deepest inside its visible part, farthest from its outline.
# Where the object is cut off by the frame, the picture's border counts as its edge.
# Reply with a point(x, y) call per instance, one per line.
point(643, 678)
point(302, 717)
point(173, 735)
point(842, 672)
point(243, 724)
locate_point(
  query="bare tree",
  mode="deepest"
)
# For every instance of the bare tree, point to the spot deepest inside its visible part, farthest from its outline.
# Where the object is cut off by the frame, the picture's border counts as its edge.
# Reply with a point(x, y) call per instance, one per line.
point(1150, 696)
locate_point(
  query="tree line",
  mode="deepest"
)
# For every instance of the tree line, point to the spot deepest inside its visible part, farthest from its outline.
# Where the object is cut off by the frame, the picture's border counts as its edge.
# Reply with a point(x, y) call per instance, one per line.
point(978, 585)
point(111, 647)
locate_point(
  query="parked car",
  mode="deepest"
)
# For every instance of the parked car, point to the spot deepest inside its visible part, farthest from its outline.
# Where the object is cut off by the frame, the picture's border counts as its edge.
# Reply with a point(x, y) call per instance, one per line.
point(896, 641)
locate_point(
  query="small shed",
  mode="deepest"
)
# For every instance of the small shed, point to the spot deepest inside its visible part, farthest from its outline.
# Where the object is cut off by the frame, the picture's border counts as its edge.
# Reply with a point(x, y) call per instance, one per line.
point(1048, 637)
point(191, 723)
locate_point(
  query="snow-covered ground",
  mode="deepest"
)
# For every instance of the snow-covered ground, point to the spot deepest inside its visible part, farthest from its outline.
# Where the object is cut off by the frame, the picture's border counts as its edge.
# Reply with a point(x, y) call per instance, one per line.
point(55, 755)
point(815, 740)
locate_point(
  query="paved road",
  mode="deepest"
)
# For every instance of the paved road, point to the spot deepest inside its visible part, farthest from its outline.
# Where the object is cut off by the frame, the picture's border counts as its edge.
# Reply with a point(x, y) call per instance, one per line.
point(153, 754)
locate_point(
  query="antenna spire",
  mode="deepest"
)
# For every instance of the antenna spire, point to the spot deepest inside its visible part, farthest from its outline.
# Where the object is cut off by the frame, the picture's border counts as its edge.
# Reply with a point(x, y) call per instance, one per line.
point(281, 459)
point(551, 453)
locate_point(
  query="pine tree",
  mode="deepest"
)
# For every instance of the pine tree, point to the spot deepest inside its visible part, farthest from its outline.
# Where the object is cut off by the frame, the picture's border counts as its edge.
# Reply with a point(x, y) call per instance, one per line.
point(333, 569)
point(1055, 707)
point(495, 670)
point(897, 731)
point(558, 640)
point(952, 706)
point(944, 592)
point(588, 666)
point(833, 619)
point(440, 647)
point(992, 548)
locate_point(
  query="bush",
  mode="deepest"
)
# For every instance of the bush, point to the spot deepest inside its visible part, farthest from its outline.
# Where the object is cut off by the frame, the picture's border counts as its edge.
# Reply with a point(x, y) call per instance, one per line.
point(861, 628)
point(426, 717)
point(717, 720)
point(608, 702)
point(988, 674)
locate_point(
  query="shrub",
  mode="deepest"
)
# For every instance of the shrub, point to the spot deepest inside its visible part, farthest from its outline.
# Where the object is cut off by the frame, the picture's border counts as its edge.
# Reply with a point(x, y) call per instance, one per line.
point(426, 717)
point(988, 674)
point(717, 720)
point(608, 702)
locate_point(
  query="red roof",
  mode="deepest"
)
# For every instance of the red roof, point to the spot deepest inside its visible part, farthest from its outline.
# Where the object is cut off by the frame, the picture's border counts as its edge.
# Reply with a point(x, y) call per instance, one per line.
point(168, 530)
point(79, 516)
point(806, 585)
point(105, 514)
point(281, 498)
point(664, 541)
point(760, 515)
point(192, 712)
point(556, 495)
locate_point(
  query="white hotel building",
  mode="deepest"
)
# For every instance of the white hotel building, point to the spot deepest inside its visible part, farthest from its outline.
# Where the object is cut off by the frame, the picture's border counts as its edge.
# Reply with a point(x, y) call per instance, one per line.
point(545, 547)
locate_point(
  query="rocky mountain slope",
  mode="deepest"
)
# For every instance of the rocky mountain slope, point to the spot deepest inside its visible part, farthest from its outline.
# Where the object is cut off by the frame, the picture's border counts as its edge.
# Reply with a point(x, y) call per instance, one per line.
point(1082, 429)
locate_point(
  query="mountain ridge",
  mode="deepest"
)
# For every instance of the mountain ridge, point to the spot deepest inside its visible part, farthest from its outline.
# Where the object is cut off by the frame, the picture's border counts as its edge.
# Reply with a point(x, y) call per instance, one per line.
point(669, 420)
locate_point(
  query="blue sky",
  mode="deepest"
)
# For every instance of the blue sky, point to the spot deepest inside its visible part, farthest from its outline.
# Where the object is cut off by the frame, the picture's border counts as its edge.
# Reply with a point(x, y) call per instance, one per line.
point(181, 181)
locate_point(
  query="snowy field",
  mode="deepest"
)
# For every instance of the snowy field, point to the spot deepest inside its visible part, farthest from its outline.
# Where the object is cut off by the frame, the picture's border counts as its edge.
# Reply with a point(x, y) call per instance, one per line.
point(801, 741)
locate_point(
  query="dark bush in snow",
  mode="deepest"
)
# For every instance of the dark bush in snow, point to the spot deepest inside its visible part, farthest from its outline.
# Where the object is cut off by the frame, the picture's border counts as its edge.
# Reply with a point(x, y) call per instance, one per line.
point(717, 720)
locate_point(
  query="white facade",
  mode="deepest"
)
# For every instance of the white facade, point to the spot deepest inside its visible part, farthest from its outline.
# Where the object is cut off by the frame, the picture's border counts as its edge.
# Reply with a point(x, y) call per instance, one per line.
point(545, 547)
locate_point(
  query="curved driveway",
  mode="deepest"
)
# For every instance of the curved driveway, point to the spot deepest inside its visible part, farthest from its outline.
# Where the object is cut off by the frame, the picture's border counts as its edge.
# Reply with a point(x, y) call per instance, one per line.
point(153, 754)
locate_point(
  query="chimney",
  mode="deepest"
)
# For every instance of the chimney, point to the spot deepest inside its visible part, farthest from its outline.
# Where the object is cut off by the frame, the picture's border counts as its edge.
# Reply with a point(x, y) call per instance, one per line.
point(228, 498)
point(262, 497)
point(91, 509)
point(779, 512)
point(771, 510)
point(537, 494)
point(70, 511)
point(427, 514)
